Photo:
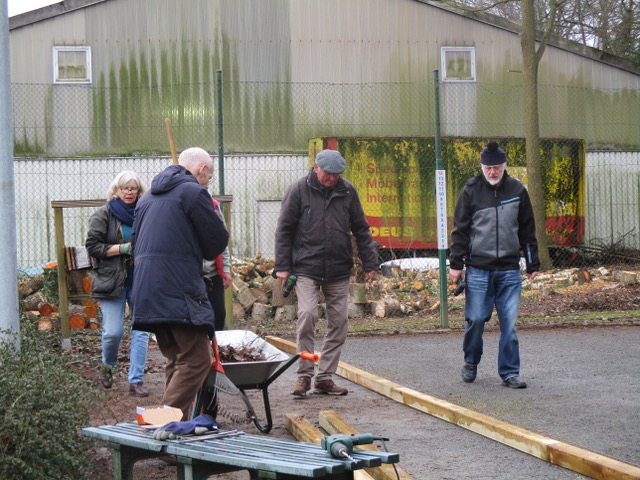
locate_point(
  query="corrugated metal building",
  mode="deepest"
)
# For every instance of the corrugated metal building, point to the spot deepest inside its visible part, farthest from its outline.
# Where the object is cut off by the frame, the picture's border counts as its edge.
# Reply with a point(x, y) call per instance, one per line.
point(293, 70)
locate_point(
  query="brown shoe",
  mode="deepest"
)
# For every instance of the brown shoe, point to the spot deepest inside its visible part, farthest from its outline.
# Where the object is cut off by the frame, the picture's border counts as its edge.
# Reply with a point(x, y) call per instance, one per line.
point(138, 390)
point(301, 387)
point(107, 377)
point(329, 388)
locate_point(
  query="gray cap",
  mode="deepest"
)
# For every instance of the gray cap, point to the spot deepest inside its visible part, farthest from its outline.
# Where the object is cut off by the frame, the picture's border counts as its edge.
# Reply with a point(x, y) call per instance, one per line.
point(331, 161)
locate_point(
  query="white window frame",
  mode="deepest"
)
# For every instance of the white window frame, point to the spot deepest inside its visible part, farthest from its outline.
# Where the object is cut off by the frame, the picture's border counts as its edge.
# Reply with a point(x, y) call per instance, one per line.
point(446, 54)
point(72, 81)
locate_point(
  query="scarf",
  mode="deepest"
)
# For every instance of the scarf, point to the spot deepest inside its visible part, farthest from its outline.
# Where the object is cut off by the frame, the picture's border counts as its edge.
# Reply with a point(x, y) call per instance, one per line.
point(122, 211)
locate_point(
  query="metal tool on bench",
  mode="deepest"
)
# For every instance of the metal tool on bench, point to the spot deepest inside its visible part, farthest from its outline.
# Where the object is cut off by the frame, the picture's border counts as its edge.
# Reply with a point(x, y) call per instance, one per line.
point(341, 445)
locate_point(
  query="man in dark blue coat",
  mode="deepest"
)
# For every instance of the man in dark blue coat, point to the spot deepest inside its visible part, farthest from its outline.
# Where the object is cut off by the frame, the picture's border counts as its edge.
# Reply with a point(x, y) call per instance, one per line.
point(175, 228)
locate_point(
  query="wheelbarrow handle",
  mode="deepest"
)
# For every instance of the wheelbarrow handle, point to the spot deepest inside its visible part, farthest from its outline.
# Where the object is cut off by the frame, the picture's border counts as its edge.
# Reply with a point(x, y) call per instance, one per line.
point(314, 357)
point(304, 355)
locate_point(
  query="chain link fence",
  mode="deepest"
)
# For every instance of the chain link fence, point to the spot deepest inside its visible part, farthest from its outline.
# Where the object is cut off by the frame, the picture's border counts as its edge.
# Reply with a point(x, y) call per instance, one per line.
point(70, 141)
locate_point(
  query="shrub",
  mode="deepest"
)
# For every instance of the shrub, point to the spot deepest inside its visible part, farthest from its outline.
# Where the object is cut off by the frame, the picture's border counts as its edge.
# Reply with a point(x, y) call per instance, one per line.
point(42, 407)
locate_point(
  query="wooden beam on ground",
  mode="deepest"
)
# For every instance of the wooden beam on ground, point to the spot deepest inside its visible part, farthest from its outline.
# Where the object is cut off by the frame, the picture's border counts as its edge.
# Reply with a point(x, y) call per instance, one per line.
point(568, 456)
point(303, 431)
point(331, 422)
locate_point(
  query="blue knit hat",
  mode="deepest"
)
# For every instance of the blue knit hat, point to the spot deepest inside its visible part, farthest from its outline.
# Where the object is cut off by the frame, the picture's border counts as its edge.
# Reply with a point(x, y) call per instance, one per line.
point(493, 154)
point(331, 161)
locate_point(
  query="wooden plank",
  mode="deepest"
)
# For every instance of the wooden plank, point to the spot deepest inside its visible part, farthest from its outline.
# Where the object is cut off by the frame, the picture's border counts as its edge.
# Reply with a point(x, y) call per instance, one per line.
point(330, 421)
point(77, 203)
point(591, 464)
point(301, 429)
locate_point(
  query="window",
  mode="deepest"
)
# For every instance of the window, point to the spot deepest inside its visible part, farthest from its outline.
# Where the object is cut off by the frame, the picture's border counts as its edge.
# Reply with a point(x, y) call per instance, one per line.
point(458, 64)
point(71, 64)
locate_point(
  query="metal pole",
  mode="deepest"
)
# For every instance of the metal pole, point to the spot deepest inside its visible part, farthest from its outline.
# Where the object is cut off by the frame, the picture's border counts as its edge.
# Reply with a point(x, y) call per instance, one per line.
point(9, 315)
point(441, 204)
point(220, 133)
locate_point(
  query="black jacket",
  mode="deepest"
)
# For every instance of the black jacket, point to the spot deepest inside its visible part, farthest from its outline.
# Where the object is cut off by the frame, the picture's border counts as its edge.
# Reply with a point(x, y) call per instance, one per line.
point(109, 273)
point(313, 233)
point(492, 225)
point(175, 227)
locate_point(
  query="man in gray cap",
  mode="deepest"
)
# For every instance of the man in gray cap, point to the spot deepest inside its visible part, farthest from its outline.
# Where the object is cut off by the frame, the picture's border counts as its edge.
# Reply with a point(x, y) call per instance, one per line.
point(493, 224)
point(313, 242)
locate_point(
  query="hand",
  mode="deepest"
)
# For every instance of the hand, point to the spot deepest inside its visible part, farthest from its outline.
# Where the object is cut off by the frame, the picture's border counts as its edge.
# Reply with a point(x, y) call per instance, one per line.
point(532, 275)
point(125, 248)
point(199, 425)
point(282, 276)
point(227, 279)
point(370, 276)
point(456, 276)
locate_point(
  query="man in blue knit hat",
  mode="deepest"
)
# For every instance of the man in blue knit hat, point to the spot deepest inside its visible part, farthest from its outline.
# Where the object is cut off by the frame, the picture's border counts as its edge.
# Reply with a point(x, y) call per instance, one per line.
point(493, 227)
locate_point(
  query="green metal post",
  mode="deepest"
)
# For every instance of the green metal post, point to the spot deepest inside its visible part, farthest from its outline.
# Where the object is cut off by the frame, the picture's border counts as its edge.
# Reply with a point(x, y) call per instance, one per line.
point(220, 132)
point(442, 249)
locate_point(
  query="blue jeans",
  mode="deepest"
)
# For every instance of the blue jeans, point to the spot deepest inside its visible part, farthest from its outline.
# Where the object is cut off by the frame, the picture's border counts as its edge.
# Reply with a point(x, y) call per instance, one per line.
point(486, 289)
point(112, 330)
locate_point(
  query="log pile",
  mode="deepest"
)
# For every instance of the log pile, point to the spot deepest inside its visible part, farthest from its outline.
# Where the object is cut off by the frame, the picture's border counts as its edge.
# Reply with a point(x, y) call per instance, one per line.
point(39, 299)
point(258, 295)
point(402, 292)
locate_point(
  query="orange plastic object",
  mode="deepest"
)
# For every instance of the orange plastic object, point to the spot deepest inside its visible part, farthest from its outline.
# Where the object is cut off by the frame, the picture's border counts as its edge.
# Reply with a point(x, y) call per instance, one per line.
point(314, 357)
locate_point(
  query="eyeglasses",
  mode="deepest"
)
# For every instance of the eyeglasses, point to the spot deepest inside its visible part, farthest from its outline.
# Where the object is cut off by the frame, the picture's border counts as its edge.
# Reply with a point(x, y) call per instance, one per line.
point(130, 189)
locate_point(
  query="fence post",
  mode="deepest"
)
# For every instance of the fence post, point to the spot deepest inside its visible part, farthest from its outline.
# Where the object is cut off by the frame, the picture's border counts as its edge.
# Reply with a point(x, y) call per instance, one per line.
point(220, 133)
point(9, 313)
point(441, 201)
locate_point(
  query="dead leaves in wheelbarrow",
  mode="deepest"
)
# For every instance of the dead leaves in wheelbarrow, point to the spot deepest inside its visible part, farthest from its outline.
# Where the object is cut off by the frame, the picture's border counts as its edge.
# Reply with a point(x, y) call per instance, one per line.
point(245, 353)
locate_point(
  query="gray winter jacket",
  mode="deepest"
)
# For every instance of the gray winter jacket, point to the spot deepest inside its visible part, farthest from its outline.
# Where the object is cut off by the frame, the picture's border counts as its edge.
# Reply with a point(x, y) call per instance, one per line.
point(493, 225)
point(313, 234)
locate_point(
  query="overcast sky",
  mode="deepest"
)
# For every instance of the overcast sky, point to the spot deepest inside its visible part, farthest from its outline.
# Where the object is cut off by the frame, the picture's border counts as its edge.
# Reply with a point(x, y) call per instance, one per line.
point(16, 7)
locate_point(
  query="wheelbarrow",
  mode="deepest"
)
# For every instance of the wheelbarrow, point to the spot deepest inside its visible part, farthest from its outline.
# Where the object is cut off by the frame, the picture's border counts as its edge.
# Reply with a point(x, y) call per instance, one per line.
point(236, 378)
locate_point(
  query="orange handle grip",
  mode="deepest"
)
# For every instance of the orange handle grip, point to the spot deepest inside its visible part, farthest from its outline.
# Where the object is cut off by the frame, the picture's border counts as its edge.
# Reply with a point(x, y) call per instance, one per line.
point(314, 357)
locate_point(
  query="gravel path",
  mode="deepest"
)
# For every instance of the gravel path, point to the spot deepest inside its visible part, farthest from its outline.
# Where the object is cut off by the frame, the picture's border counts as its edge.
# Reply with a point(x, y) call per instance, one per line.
point(584, 389)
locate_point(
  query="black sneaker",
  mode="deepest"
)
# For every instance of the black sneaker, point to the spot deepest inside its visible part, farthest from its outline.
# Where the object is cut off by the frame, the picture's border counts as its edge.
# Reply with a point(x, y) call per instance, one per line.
point(469, 373)
point(514, 382)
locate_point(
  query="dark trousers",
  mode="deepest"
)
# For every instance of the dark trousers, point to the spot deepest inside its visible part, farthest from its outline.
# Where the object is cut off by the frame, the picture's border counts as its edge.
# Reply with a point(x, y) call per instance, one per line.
point(215, 292)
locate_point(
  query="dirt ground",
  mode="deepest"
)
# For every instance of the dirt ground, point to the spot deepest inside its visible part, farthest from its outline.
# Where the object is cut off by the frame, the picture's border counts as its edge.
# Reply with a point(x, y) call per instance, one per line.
point(596, 302)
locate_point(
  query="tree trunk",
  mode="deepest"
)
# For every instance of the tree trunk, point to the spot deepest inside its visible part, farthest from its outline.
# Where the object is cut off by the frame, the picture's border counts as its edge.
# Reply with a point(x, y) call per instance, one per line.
point(530, 62)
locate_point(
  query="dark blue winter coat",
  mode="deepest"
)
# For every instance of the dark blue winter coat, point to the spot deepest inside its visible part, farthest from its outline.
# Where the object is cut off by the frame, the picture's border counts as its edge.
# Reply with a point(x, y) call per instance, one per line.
point(175, 227)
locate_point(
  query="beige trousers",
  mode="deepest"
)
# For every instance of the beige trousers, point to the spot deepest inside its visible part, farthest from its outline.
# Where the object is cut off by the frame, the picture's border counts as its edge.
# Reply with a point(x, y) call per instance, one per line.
point(336, 296)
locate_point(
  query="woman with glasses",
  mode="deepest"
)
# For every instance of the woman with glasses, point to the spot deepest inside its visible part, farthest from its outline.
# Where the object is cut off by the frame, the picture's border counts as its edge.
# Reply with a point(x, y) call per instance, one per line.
point(108, 242)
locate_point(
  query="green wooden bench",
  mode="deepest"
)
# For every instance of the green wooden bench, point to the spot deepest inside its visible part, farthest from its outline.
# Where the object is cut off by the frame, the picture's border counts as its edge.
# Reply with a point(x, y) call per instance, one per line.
point(264, 457)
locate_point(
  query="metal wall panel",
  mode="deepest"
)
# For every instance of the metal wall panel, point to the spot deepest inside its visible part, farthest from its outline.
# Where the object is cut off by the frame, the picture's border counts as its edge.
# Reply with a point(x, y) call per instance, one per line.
point(357, 53)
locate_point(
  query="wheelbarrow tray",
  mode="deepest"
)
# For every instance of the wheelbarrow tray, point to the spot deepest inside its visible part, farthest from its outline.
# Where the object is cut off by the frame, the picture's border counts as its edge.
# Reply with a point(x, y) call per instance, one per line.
point(250, 372)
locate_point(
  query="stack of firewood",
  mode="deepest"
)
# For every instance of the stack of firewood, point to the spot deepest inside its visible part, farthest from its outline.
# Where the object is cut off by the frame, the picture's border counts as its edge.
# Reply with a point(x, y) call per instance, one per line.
point(39, 298)
point(256, 293)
